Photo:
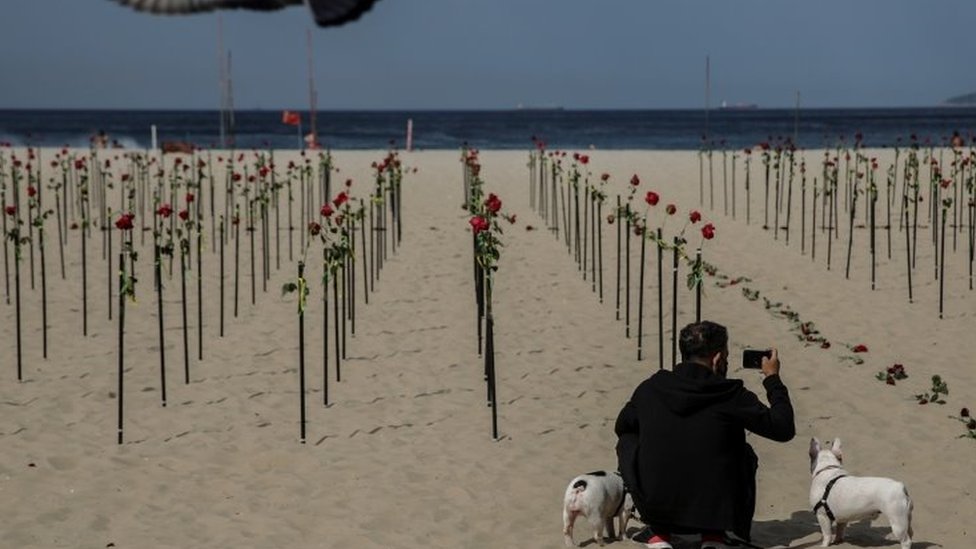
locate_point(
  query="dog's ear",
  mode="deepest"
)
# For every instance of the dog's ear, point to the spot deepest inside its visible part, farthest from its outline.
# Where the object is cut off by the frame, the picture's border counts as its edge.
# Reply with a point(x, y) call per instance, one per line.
point(814, 447)
point(836, 449)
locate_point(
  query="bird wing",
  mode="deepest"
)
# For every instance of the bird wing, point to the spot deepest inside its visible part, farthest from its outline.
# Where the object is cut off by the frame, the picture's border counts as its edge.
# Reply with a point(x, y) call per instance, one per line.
point(197, 6)
point(331, 13)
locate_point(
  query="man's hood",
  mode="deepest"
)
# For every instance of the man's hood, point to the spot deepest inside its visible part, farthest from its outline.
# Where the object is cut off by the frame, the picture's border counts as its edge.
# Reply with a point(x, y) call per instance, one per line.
point(691, 387)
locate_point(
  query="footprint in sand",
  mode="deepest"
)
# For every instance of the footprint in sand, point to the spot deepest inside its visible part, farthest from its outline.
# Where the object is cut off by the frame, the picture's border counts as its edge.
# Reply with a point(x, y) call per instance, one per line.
point(62, 463)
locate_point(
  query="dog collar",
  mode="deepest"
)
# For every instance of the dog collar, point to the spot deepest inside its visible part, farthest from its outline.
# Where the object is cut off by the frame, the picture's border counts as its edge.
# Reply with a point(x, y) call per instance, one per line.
point(827, 468)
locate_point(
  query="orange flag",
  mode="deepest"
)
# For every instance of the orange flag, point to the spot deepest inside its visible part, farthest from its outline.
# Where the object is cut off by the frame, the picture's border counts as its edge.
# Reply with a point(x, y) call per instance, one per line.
point(290, 118)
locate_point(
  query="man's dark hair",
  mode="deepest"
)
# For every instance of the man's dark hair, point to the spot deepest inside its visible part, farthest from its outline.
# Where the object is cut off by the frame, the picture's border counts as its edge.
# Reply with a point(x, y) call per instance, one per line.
point(702, 339)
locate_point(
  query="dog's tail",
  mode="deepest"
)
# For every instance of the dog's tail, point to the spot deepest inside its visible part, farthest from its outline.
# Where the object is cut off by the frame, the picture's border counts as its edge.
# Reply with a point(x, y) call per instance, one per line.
point(574, 494)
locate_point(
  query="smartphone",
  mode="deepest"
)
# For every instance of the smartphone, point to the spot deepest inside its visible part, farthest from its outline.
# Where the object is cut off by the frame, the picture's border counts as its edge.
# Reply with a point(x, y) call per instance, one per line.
point(752, 358)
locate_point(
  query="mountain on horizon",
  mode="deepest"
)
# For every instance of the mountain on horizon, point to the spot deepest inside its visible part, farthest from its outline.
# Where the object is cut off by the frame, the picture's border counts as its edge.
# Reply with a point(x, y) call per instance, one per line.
point(961, 100)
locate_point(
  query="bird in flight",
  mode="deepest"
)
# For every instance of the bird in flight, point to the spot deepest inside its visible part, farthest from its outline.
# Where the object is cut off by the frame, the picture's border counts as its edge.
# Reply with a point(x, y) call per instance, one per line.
point(327, 13)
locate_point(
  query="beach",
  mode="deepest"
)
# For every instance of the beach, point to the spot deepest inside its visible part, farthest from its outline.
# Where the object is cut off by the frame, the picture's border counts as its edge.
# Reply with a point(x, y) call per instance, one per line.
point(404, 455)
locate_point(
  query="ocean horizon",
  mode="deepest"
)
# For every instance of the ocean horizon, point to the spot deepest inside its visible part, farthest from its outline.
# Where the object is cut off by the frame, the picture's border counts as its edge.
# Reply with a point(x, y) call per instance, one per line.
point(506, 129)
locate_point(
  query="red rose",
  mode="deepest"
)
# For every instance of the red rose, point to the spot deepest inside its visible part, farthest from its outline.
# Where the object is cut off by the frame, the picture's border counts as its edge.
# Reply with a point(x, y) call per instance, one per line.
point(326, 210)
point(11, 210)
point(652, 198)
point(576, 156)
point(348, 183)
point(694, 216)
point(635, 181)
point(314, 228)
point(605, 177)
point(184, 215)
point(31, 191)
point(164, 211)
point(478, 224)
point(79, 164)
point(493, 204)
point(708, 231)
point(124, 222)
point(263, 171)
point(860, 348)
point(189, 198)
point(340, 199)
point(890, 380)
point(235, 177)
point(671, 209)
point(964, 412)
point(584, 159)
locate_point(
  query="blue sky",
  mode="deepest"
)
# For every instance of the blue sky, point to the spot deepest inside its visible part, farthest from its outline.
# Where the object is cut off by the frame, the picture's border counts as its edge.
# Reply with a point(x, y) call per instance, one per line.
point(456, 54)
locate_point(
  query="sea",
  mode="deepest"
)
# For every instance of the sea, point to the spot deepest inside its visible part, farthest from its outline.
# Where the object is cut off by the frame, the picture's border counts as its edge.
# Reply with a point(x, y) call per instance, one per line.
point(565, 129)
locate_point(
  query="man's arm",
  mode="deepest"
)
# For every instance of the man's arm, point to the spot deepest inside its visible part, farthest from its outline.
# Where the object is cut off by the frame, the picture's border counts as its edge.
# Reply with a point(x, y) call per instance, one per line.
point(774, 421)
point(627, 420)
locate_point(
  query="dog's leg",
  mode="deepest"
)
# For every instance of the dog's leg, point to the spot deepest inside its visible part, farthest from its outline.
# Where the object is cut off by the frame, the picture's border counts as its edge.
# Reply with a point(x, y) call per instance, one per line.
point(901, 527)
point(825, 529)
point(839, 532)
point(610, 530)
point(624, 518)
point(597, 524)
point(569, 517)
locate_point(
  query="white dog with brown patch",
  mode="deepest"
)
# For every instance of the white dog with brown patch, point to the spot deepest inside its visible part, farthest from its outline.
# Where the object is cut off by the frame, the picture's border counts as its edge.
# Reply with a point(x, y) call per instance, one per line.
point(839, 498)
point(599, 497)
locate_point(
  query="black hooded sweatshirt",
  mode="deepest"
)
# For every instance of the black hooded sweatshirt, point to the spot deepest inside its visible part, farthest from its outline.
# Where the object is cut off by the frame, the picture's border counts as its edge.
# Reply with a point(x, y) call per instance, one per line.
point(682, 447)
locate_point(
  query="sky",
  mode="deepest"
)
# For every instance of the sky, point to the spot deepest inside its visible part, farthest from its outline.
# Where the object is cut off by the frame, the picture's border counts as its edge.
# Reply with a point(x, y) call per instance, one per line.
point(495, 54)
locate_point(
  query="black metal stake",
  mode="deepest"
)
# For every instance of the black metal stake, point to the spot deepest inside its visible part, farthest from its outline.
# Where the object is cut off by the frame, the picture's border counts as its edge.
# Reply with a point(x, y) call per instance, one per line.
point(640, 298)
point(301, 352)
point(184, 245)
point(84, 280)
point(617, 214)
point(121, 340)
point(908, 248)
point(199, 292)
point(335, 311)
point(698, 286)
point(660, 297)
point(221, 276)
point(627, 276)
point(674, 302)
point(158, 265)
point(942, 262)
point(43, 292)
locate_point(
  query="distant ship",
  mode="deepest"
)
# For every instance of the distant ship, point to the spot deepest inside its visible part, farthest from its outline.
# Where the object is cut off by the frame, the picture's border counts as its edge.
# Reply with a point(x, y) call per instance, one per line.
point(725, 106)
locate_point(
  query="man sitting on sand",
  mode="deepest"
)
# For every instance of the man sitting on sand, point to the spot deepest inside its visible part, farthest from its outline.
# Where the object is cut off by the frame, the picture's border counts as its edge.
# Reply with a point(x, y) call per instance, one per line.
point(682, 446)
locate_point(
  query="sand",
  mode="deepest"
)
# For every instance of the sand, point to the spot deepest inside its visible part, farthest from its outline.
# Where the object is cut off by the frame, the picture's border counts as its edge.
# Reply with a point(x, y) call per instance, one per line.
point(403, 456)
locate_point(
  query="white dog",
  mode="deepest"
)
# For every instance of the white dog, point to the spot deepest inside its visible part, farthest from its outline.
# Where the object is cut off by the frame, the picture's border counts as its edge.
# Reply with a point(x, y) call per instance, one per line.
point(599, 497)
point(839, 498)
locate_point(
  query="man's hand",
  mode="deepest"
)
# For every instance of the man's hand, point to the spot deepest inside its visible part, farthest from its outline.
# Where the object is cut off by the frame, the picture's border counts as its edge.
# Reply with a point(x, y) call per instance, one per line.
point(770, 366)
